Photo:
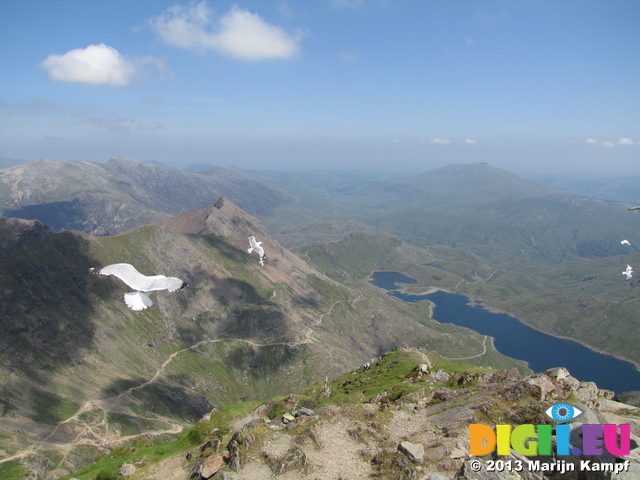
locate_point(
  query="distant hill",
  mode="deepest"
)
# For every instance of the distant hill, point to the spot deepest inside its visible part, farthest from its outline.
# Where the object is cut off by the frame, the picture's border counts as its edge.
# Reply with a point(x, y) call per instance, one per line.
point(620, 189)
point(457, 185)
point(481, 209)
point(6, 162)
point(121, 194)
point(80, 372)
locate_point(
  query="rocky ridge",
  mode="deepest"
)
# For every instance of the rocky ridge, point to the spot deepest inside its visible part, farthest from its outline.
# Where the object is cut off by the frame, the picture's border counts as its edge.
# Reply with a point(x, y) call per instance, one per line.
point(415, 429)
point(105, 199)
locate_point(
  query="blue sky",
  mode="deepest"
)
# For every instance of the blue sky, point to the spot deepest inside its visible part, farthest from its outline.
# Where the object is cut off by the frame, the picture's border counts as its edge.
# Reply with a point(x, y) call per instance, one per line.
point(530, 86)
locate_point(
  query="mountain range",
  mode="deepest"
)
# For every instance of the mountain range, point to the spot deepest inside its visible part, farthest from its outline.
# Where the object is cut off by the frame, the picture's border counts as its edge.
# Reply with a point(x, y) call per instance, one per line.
point(480, 209)
point(104, 199)
point(80, 372)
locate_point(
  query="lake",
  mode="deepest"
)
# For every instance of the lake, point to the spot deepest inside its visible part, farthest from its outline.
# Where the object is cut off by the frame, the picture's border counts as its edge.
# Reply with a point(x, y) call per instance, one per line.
point(517, 340)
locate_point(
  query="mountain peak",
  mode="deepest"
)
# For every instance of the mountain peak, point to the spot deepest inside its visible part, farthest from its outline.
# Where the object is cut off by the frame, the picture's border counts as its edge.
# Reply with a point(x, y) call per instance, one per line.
point(15, 230)
point(227, 222)
point(475, 182)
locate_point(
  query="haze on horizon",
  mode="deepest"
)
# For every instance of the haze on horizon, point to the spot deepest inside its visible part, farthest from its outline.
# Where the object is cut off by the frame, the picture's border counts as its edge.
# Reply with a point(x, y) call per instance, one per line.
point(531, 87)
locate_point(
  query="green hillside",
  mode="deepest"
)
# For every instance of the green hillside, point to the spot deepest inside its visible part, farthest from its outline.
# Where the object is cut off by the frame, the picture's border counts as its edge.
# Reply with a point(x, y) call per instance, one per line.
point(80, 372)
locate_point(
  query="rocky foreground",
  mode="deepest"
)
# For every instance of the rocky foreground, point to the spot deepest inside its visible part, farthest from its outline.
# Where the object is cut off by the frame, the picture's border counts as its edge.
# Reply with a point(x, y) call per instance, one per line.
point(415, 428)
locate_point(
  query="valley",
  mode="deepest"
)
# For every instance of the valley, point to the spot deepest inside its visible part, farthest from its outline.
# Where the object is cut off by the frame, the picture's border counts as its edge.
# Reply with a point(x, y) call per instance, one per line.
point(80, 373)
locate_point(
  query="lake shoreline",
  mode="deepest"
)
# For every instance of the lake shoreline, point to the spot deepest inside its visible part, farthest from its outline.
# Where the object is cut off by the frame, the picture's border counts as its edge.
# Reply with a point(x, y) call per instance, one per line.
point(476, 302)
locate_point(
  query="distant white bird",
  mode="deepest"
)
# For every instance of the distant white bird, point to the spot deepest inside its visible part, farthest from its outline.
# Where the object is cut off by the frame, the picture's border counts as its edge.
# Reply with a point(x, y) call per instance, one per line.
point(628, 272)
point(139, 300)
point(625, 242)
point(255, 246)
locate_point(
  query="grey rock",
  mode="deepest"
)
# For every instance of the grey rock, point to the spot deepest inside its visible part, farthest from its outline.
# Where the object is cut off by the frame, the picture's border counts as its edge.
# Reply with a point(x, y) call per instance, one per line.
point(303, 411)
point(413, 451)
point(440, 376)
point(436, 476)
point(294, 459)
point(127, 470)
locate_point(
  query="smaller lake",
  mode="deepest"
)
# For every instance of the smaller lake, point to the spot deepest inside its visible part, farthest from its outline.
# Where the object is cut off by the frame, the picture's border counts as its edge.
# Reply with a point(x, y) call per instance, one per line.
point(517, 340)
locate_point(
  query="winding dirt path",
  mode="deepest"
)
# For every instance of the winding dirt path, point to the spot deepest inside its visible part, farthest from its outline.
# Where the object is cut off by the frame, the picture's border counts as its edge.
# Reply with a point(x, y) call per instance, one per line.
point(99, 434)
point(484, 350)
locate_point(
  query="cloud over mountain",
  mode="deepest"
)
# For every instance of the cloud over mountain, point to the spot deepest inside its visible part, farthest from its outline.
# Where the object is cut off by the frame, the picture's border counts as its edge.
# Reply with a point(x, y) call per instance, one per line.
point(95, 65)
point(237, 34)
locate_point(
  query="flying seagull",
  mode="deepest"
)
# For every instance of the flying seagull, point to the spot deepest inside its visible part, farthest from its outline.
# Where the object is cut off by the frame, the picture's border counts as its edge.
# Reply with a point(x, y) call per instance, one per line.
point(625, 242)
point(255, 246)
point(139, 300)
point(628, 272)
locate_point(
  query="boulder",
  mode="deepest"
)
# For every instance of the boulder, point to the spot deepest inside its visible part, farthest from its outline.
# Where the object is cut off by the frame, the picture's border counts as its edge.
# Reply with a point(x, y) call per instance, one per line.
point(214, 463)
point(288, 418)
point(294, 459)
point(413, 451)
point(303, 411)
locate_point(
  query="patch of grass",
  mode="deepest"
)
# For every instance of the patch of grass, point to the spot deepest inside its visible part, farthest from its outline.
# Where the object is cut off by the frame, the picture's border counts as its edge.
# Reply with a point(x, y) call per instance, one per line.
point(50, 407)
point(219, 419)
point(12, 470)
point(140, 450)
point(384, 375)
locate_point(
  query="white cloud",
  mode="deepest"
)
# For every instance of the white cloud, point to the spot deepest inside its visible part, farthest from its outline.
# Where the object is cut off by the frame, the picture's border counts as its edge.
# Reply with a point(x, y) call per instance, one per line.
point(470, 141)
point(591, 141)
point(441, 141)
point(608, 144)
point(626, 141)
point(238, 34)
point(95, 65)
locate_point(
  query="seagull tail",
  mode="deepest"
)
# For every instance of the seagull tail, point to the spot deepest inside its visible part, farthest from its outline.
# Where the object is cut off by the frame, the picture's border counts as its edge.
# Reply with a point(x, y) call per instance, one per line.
point(137, 300)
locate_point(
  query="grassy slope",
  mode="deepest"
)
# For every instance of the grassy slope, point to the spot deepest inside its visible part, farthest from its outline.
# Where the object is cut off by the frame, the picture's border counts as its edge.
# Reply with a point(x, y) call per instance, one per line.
point(234, 334)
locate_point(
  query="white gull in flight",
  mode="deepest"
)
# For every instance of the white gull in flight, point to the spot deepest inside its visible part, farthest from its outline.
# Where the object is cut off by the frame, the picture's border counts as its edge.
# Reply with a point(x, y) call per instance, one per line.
point(255, 247)
point(139, 300)
point(628, 272)
point(625, 242)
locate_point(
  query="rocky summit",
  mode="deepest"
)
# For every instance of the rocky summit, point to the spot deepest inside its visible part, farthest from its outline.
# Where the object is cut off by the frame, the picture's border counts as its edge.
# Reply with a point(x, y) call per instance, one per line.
point(415, 427)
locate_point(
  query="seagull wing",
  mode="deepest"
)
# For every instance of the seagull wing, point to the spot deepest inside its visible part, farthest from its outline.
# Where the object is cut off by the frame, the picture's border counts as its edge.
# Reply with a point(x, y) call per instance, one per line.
point(136, 280)
point(255, 246)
